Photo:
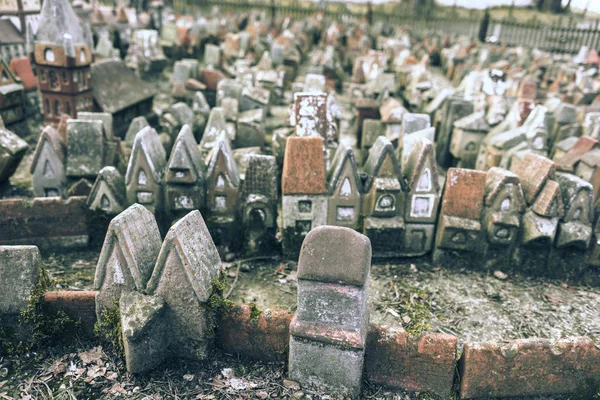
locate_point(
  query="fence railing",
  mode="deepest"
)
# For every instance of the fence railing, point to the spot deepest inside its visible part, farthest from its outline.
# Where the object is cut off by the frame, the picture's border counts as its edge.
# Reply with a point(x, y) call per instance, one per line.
point(562, 37)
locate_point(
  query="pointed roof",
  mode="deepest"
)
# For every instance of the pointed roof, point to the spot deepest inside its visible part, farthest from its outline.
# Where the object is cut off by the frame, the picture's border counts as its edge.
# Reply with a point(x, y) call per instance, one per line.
point(344, 154)
point(534, 170)
point(463, 195)
point(261, 177)
point(223, 148)
point(57, 19)
point(215, 127)
point(549, 203)
point(569, 160)
point(85, 145)
point(136, 232)
point(115, 182)
point(148, 142)
point(136, 125)
point(22, 68)
point(416, 161)
point(304, 166)
point(50, 135)
point(381, 149)
point(496, 180)
point(185, 154)
point(571, 186)
point(192, 243)
point(10, 33)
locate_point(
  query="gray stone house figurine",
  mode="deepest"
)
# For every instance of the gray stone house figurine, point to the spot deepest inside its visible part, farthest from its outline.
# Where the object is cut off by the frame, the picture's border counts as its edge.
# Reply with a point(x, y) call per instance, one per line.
point(345, 189)
point(184, 190)
point(12, 150)
point(130, 249)
point(48, 172)
point(304, 190)
point(108, 193)
point(467, 136)
point(146, 171)
point(85, 148)
point(383, 200)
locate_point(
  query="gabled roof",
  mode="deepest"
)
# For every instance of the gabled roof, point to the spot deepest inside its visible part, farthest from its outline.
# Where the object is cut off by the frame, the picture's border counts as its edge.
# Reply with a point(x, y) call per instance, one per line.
point(10, 74)
point(496, 180)
point(136, 125)
point(22, 68)
point(185, 154)
point(382, 148)
point(549, 203)
point(10, 142)
point(473, 123)
point(191, 241)
point(116, 87)
point(115, 182)
point(215, 127)
point(50, 135)
point(223, 148)
point(534, 170)
point(508, 139)
point(261, 177)
point(416, 162)
point(10, 33)
point(571, 186)
point(344, 154)
point(58, 19)
point(148, 142)
point(463, 195)
point(304, 166)
point(136, 232)
point(569, 160)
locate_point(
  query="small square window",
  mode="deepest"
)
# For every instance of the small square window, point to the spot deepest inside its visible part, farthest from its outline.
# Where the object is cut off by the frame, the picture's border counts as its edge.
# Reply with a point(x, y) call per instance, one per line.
point(303, 227)
point(344, 214)
point(304, 206)
point(220, 203)
point(51, 192)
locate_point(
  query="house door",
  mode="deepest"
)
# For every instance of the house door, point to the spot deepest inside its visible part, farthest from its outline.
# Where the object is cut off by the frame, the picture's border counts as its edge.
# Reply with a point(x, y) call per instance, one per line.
point(257, 219)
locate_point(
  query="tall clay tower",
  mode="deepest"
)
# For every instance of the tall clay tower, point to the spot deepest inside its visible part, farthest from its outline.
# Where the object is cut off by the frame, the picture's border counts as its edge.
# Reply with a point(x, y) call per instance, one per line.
point(62, 55)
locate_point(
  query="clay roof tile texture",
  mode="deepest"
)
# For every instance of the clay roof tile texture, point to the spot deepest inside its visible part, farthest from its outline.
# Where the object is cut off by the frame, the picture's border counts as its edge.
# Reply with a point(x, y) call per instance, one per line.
point(534, 170)
point(304, 166)
point(549, 203)
point(569, 160)
point(463, 195)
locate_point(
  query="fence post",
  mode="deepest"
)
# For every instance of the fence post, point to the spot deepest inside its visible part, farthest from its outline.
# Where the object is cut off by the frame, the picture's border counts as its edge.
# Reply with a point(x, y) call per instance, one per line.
point(483, 26)
point(273, 11)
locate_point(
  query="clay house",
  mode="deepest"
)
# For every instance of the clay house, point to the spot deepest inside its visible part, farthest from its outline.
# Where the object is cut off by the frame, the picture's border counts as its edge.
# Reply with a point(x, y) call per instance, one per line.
point(345, 189)
point(118, 91)
point(504, 205)
point(383, 199)
point(304, 190)
point(569, 161)
point(108, 193)
point(215, 128)
point(184, 179)
point(222, 189)
point(86, 150)
point(21, 67)
point(146, 171)
point(575, 227)
point(588, 169)
point(459, 233)
point(127, 258)
point(11, 95)
point(258, 200)
point(392, 113)
point(12, 42)
point(145, 55)
point(467, 135)
point(48, 171)
point(310, 116)
point(62, 54)
point(12, 150)
point(422, 198)
point(186, 266)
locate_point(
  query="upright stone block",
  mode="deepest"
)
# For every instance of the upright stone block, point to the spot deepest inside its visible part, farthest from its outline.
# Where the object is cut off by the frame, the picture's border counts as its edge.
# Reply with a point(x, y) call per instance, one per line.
point(19, 269)
point(329, 330)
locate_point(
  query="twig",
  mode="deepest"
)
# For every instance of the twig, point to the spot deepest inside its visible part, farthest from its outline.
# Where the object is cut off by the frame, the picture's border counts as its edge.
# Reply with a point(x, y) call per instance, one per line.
point(239, 265)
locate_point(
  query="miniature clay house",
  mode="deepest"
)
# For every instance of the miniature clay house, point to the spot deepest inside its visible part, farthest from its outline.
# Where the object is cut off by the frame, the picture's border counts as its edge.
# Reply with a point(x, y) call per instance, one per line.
point(48, 172)
point(185, 175)
point(12, 42)
point(85, 148)
point(345, 190)
point(222, 189)
point(422, 198)
point(467, 136)
point(304, 190)
point(311, 117)
point(108, 193)
point(383, 200)
point(12, 150)
point(62, 55)
point(459, 232)
point(11, 95)
point(127, 258)
point(146, 170)
point(21, 67)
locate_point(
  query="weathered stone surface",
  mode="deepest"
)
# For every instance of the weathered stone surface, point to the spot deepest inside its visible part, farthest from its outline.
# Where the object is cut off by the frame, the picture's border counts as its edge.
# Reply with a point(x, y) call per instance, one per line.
point(12, 150)
point(19, 270)
point(335, 254)
point(136, 125)
point(144, 331)
point(529, 367)
point(415, 122)
point(85, 148)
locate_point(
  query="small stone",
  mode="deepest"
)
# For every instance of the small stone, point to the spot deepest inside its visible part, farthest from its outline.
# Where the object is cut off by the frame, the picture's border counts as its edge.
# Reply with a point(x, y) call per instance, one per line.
point(227, 373)
point(188, 377)
point(406, 319)
point(298, 395)
point(288, 384)
point(500, 275)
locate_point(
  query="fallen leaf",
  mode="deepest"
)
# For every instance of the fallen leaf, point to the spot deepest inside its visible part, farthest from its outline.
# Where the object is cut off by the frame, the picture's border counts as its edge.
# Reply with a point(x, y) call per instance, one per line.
point(500, 275)
point(291, 384)
point(188, 377)
point(92, 356)
point(227, 373)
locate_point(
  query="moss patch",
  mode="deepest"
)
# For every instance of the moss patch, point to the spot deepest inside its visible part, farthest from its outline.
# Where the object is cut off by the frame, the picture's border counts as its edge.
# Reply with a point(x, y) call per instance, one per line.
point(108, 329)
point(410, 303)
point(254, 312)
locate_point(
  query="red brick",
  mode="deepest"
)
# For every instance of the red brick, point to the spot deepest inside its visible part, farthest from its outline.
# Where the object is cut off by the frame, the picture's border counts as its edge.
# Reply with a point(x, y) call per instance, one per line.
point(79, 305)
point(264, 337)
point(415, 363)
point(529, 367)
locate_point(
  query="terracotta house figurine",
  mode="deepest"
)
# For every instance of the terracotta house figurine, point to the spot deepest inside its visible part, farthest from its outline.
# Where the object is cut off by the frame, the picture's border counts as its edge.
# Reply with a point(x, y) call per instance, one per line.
point(304, 190)
point(383, 200)
point(185, 175)
point(21, 67)
point(146, 170)
point(422, 198)
point(459, 233)
point(62, 54)
point(345, 189)
point(588, 169)
point(504, 206)
point(222, 190)
point(49, 178)
point(467, 135)
point(311, 118)
point(11, 95)
point(108, 193)
point(258, 200)
point(130, 249)
point(12, 150)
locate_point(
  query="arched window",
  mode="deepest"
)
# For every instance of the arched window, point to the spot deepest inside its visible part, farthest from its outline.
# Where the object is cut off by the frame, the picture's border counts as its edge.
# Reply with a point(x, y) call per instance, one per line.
point(65, 77)
point(47, 107)
point(49, 55)
point(54, 82)
point(57, 108)
point(505, 205)
point(346, 189)
point(577, 213)
point(424, 183)
point(220, 181)
point(142, 178)
point(386, 202)
point(82, 55)
point(68, 108)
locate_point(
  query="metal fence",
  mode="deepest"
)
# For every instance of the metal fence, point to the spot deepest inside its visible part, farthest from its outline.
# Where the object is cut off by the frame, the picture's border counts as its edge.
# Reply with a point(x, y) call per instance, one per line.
point(566, 36)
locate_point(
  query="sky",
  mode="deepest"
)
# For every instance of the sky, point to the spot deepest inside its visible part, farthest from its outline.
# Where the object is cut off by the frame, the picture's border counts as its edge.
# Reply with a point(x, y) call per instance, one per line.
point(594, 5)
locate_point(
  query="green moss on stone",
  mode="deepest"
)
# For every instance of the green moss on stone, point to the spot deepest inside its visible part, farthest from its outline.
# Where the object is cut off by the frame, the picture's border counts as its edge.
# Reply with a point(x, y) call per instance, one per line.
point(254, 312)
point(108, 328)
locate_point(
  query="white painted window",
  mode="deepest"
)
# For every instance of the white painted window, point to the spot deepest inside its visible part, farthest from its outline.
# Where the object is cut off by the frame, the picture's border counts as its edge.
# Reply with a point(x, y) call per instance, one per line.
point(344, 214)
point(184, 203)
point(424, 184)
point(220, 181)
point(104, 203)
point(505, 205)
point(145, 197)
point(503, 233)
point(82, 55)
point(220, 203)
point(386, 202)
point(49, 55)
point(346, 189)
point(422, 206)
point(142, 178)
